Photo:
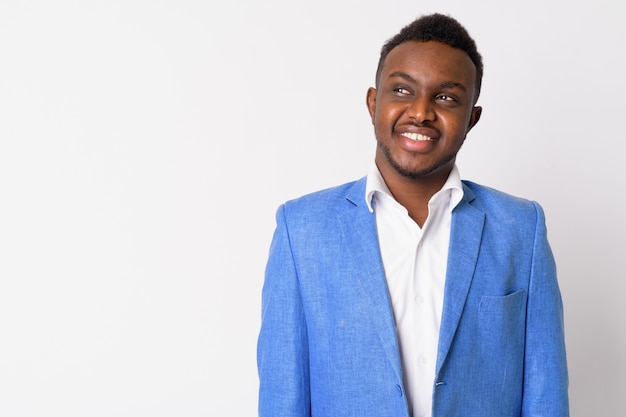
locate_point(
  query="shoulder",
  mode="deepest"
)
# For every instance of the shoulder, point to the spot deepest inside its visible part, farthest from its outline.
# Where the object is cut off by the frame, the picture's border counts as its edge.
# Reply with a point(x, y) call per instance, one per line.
point(320, 211)
point(500, 205)
point(328, 200)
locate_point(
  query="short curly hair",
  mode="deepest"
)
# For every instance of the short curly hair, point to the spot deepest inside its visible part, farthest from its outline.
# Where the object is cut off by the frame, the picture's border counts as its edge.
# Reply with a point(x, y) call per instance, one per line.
point(439, 28)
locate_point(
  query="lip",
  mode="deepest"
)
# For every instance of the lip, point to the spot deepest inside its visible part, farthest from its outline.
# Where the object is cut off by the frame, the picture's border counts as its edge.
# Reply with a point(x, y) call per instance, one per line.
point(417, 139)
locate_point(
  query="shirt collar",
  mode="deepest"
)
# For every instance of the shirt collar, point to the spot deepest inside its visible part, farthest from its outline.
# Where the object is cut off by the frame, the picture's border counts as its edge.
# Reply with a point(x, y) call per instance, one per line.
point(453, 187)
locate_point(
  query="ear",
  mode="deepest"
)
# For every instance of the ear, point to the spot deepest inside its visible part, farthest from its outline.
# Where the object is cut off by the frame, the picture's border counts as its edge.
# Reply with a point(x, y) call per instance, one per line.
point(474, 117)
point(370, 101)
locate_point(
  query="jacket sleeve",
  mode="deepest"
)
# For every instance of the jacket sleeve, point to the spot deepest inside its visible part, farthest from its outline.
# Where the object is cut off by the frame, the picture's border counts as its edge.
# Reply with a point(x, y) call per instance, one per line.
point(282, 353)
point(545, 367)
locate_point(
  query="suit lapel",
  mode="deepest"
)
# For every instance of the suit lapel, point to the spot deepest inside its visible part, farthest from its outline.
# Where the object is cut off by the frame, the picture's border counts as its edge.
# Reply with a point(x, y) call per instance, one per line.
point(465, 237)
point(361, 239)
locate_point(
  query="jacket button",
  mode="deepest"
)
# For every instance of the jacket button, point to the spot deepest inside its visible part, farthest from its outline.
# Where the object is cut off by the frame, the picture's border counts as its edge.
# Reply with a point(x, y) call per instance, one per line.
point(399, 388)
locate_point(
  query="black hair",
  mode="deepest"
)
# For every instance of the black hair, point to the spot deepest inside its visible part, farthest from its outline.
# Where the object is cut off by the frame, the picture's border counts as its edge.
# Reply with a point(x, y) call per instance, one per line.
point(439, 28)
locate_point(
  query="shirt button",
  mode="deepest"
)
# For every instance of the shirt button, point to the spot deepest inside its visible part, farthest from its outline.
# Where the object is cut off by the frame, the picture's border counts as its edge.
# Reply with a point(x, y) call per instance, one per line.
point(422, 359)
point(419, 299)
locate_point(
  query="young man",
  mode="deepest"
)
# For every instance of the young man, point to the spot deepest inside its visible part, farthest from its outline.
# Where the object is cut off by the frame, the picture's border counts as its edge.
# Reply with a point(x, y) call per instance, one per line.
point(411, 292)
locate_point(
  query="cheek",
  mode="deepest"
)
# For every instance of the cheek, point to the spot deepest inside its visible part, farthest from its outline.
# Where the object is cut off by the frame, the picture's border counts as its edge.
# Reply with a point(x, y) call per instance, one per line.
point(458, 125)
point(387, 116)
point(378, 120)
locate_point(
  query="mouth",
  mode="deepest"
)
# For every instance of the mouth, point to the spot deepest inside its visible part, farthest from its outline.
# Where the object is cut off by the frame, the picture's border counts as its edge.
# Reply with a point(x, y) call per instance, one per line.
point(416, 137)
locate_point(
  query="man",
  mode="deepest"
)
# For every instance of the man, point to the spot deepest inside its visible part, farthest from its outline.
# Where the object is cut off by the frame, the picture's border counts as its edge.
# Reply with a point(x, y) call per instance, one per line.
point(411, 292)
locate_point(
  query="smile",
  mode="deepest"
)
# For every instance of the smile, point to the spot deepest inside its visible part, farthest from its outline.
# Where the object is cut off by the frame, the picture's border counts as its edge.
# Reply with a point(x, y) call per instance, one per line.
point(415, 137)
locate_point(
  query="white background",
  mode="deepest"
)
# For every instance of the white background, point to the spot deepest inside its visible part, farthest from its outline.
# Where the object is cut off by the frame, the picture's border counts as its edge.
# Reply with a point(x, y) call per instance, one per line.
point(145, 146)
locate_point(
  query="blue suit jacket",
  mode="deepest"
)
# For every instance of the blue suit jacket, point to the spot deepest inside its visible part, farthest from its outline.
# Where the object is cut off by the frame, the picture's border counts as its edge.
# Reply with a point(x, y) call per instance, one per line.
point(328, 347)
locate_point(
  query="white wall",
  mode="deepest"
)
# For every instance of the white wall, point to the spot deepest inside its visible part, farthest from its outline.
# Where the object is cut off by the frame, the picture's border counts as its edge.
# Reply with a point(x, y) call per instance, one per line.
point(144, 147)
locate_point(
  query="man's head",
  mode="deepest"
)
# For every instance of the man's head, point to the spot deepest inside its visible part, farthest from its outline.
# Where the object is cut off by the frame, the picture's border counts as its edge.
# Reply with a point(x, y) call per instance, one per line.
point(424, 103)
point(439, 28)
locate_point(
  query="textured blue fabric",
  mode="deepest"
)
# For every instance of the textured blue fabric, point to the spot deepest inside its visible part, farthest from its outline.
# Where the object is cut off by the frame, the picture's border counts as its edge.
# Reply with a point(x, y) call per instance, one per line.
point(327, 345)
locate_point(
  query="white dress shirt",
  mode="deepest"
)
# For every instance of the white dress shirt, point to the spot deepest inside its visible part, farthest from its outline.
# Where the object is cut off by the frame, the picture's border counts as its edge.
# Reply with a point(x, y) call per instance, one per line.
point(415, 262)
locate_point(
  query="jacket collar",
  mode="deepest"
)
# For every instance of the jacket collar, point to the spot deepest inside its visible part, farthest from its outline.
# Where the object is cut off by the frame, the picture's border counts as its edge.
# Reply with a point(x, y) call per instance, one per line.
point(465, 239)
point(361, 239)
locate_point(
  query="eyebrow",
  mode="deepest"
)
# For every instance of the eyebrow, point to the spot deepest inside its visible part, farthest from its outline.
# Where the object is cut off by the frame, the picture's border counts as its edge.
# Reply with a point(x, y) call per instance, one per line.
point(445, 84)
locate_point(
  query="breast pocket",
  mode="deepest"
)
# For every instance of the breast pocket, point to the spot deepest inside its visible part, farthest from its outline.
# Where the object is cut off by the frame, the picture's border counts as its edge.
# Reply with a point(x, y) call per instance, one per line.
point(502, 304)
point(500, 327)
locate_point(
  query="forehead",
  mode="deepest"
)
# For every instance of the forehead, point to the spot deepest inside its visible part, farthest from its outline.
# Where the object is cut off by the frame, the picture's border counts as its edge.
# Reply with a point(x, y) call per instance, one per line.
point(432, 60)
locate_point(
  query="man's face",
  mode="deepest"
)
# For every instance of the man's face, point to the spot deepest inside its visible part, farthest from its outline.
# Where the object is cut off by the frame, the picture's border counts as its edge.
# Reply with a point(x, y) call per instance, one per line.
point(422, 109)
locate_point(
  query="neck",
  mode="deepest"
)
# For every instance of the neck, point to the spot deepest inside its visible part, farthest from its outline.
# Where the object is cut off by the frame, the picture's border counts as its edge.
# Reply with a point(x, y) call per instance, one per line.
point(414, 193)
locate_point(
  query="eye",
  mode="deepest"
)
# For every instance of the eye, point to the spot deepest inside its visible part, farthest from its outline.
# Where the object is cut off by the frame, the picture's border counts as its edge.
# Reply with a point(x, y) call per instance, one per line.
point(402, 91)
point(448, 100)
point(445, 97)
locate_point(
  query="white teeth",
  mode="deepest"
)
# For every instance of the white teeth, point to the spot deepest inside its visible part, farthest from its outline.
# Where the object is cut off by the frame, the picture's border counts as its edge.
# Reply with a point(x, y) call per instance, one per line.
point(415, 136)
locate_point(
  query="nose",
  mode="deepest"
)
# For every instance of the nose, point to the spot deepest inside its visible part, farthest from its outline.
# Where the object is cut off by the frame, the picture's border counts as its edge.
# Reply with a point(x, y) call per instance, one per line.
point(421, 110)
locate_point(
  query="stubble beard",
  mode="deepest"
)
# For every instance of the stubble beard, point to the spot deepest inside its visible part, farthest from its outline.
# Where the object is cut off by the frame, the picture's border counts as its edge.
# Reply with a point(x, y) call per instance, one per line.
point(416, 173)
